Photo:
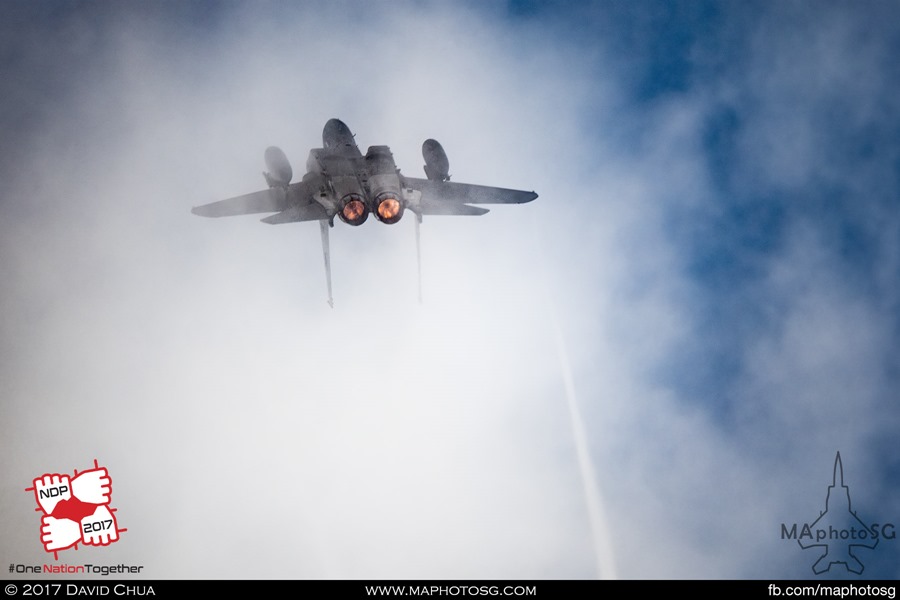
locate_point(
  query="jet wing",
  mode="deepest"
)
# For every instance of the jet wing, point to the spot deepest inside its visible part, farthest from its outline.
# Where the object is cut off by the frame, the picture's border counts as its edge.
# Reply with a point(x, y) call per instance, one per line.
point(276, 199)
point(450, 198)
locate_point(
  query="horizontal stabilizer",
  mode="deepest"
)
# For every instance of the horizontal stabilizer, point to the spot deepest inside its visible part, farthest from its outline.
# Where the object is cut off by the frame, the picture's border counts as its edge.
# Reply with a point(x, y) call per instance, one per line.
point(466, 193)
point(270, 200)
point(308, 212)
point(449, 208)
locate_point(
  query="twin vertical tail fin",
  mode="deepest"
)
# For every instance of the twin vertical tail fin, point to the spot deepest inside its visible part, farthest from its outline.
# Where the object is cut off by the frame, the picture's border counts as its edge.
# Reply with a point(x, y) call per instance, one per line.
point(418, 220)
point(326, 252)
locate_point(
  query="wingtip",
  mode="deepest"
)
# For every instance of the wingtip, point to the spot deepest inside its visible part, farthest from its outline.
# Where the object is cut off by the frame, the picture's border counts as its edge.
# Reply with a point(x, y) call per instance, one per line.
point(202, 211)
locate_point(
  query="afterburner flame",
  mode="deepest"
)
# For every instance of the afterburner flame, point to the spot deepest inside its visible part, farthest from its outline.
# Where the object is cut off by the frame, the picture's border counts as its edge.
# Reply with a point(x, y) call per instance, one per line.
point(389, 209)
point(354, 211)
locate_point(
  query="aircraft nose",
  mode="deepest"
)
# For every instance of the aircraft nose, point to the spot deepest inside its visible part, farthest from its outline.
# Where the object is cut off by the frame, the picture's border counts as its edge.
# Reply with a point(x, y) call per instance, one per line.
point(335, 124)
point(336, 127)
point(334, 132)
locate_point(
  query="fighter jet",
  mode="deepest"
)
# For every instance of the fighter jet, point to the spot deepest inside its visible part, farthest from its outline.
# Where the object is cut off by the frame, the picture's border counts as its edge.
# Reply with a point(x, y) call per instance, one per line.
point(341, 181)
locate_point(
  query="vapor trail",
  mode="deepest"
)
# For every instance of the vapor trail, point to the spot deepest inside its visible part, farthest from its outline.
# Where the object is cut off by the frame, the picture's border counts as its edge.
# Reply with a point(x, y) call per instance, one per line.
point(593, 497)
point(606, 564)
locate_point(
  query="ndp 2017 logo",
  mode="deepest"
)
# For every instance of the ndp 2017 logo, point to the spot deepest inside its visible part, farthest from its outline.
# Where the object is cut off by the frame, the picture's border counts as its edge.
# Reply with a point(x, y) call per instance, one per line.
point(76, 509)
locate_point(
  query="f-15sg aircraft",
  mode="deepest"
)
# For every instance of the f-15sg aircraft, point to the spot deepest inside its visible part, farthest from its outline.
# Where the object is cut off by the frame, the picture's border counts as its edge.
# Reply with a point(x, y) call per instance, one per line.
point(340, 181)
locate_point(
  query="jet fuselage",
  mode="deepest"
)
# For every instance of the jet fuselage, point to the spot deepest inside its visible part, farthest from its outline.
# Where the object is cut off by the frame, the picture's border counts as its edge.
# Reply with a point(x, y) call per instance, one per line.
point(352, 185)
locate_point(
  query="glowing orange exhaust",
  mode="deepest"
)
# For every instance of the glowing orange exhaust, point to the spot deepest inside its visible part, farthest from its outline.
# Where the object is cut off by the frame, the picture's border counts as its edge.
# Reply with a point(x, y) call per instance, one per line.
point(354, 211)
point(389, 209)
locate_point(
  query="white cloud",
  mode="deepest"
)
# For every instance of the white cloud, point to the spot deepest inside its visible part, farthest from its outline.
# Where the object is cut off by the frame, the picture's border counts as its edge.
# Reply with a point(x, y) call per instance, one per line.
point(253, 432)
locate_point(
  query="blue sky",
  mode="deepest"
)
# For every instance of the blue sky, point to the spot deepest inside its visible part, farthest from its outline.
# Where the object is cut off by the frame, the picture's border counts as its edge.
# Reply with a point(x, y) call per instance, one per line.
point(709, 274)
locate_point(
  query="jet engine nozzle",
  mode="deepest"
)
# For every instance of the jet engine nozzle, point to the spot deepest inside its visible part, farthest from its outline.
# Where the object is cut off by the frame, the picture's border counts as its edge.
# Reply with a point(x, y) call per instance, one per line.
point(353, 210)
point(388, 208)
point(437, 165)
point(280, 172)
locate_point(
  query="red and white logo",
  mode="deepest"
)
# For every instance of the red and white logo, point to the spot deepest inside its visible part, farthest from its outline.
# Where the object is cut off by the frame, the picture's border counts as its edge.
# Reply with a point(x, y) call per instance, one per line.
point(76, 509)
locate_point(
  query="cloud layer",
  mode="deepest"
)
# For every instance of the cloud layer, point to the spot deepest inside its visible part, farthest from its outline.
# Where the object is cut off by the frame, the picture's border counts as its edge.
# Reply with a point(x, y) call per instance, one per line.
point(714, 244)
